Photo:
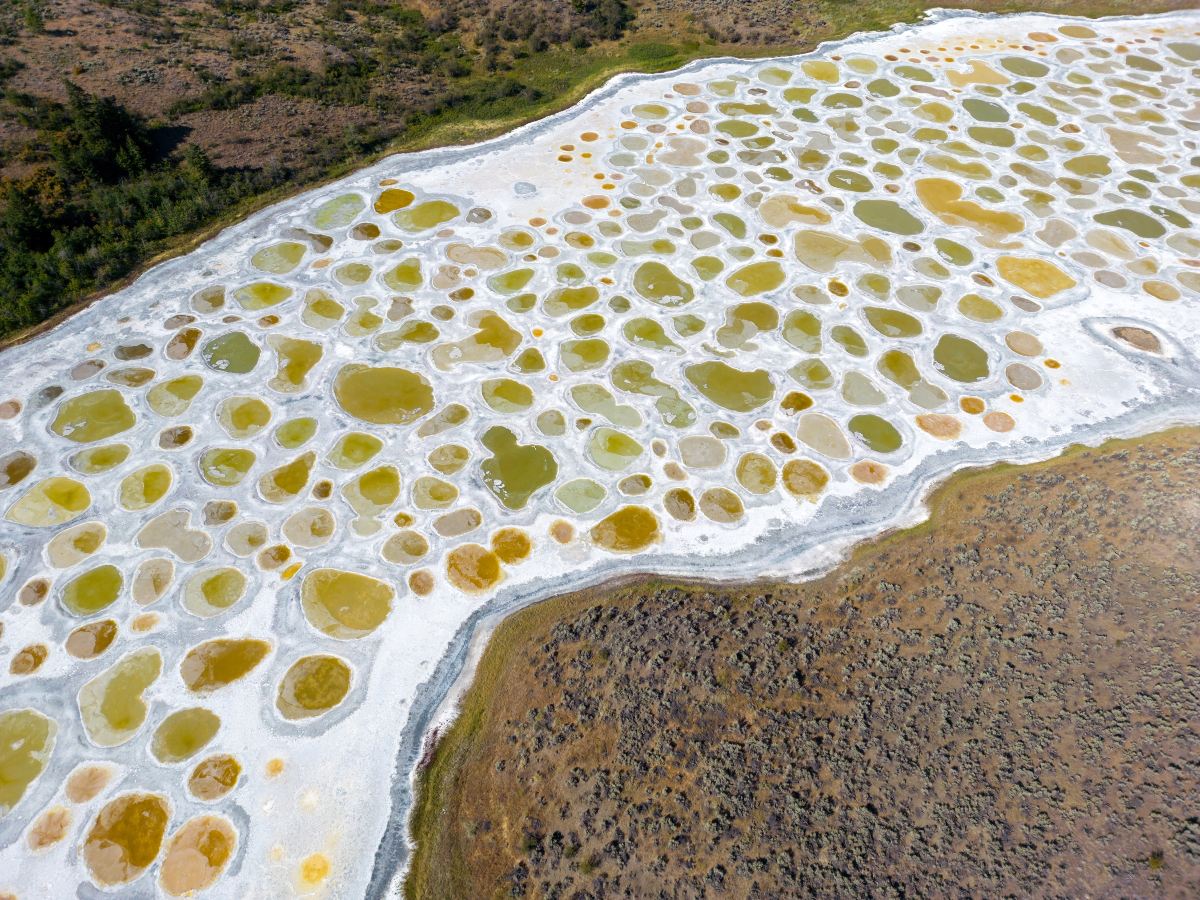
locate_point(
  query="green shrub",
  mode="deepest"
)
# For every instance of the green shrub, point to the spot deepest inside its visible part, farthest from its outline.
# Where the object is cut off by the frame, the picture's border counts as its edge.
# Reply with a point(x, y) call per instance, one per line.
point(98, 204)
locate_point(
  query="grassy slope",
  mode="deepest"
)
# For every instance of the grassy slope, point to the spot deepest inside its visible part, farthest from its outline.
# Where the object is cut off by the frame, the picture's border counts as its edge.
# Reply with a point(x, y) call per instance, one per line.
point(437, 868)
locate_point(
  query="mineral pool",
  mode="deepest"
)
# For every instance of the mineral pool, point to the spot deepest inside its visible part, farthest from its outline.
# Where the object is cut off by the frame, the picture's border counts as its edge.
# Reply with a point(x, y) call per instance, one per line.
point(248, 502)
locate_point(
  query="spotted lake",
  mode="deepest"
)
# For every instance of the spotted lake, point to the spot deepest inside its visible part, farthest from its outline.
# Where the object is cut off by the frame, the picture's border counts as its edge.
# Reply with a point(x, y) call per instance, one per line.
point(257, 507)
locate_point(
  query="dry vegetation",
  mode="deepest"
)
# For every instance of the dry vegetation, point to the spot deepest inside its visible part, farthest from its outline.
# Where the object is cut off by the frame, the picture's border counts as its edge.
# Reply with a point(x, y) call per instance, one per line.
point(264, 83)
point(1003, 702)
point(296, 83)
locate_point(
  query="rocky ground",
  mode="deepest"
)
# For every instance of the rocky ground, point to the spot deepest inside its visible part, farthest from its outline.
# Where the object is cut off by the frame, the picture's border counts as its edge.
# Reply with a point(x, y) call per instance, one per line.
point(1005, 701)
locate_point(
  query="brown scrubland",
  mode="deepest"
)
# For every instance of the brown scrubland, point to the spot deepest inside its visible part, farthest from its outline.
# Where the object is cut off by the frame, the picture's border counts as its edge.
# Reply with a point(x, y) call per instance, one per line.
point(1003, 701)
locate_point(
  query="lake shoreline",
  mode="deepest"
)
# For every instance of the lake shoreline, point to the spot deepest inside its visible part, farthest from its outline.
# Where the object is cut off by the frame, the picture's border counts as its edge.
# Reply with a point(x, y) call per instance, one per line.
point(410, 677)
point(495, 640)
point(439, 698)
point(478, 135)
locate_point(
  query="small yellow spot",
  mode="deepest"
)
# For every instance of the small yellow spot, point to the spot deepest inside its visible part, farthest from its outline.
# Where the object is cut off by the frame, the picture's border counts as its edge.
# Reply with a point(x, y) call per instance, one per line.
point(537, 332)
point(274, 767)
point(144, 622)
point(314, 869)
point(277, 853)
point(291, 570)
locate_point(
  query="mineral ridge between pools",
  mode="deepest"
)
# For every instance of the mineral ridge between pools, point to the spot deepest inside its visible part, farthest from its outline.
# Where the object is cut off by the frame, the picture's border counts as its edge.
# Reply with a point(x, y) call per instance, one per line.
point(718, 320)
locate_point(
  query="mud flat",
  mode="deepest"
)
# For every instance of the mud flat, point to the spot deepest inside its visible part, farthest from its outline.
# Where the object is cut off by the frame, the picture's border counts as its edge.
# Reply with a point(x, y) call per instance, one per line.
point(1000, 700)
